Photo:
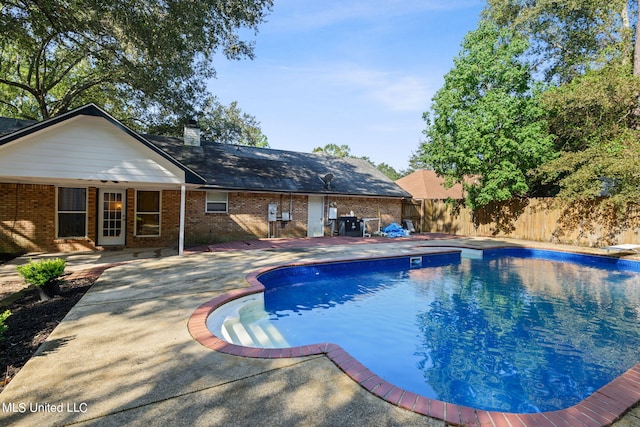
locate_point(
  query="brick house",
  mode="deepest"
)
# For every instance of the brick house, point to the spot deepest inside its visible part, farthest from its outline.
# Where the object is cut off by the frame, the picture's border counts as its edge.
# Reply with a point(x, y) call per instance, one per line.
point(83, 180)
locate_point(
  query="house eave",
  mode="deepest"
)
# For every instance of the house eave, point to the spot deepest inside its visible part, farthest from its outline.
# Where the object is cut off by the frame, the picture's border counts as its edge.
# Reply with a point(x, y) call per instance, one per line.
point(301, 193)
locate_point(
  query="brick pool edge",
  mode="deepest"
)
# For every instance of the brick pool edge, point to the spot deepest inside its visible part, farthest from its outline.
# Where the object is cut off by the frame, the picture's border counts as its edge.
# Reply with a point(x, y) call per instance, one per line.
point(602, 408)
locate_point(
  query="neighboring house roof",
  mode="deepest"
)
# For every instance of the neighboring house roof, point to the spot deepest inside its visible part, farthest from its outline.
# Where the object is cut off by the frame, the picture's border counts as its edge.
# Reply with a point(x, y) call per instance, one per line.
point(242, 168)
point(425, 184)
point(239, 167)
point(8, 125)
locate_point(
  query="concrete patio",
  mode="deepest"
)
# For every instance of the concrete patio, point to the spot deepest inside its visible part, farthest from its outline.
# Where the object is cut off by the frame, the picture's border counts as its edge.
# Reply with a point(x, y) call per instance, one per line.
point(123, 355)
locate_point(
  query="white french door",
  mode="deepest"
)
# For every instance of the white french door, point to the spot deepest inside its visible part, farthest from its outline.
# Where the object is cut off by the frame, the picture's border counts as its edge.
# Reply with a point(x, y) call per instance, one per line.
point(111, 217)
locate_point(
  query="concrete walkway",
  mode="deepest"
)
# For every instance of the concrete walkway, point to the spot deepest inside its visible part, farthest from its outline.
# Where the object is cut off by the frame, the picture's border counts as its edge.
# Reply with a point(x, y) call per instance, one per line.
point(123, 355)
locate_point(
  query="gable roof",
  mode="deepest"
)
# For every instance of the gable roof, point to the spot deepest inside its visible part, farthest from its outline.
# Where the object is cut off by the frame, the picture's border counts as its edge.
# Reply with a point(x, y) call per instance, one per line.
point(244, 168)
point(426, 184)
point(241, 168)
point(90, 110)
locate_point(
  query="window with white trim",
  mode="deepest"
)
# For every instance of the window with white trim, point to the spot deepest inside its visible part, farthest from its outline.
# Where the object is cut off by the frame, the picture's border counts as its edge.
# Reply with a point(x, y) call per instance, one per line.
point(72, 212)
point(217, 202)
point(147, 213)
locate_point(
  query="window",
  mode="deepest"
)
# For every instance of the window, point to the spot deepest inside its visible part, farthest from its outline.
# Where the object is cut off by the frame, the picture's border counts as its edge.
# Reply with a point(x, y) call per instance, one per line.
point(217, 201)
point(147, 213)
point(72, 212)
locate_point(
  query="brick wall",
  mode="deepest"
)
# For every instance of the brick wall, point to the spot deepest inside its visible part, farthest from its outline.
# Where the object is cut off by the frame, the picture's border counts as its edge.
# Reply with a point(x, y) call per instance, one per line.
point(246, 217)
point(169, 222)
point(27, 218)
point(388, 210)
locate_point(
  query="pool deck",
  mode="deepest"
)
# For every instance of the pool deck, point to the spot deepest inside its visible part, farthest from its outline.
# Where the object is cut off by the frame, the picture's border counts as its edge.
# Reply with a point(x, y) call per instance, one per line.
point(124, 354)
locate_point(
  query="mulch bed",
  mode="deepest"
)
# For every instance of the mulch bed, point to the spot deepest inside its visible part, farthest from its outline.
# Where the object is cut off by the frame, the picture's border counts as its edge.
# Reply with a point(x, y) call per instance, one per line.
point(32, 321)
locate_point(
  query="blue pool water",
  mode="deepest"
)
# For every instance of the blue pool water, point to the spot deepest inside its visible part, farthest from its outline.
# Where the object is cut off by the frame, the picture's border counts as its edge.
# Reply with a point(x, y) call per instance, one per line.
point(518, 330)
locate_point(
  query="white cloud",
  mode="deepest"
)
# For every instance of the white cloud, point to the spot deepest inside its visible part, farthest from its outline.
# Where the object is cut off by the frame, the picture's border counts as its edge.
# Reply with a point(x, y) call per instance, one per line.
point(298, 15)
point(407, 93)
point(392, 89)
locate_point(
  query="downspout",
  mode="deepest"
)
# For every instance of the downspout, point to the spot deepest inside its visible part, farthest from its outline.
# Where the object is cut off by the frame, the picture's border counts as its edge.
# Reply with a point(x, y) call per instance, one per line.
point(183, 192)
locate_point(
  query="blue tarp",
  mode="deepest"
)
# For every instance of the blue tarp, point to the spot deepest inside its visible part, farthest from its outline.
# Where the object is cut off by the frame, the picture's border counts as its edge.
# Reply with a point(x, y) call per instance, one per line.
point(394, 230)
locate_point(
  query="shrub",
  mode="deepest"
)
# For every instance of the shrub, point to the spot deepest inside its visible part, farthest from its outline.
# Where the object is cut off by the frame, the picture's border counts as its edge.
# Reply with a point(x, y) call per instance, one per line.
point(42, 272)
point(3, 327)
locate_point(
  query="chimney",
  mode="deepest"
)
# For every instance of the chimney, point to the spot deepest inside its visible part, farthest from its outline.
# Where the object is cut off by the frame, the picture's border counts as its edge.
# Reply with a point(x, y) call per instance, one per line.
point(192, 133)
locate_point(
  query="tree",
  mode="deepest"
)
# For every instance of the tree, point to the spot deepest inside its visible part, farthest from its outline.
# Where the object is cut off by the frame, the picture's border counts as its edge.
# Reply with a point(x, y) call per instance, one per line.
point(225, 124)
point(229, 125)
point(389, 171)
point(345, 151)
point(588, 50)
point(568, 38)
point(597, 136)
point(134, 57)
point(334, 150)
point(486, 120)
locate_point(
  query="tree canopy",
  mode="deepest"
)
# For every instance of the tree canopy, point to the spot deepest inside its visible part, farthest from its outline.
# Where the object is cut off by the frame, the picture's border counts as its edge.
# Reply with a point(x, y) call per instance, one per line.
point(563, 118)
point(486, 120)
point(345, 151)
point(225, 124)
point(567, 38)
point(136, 58)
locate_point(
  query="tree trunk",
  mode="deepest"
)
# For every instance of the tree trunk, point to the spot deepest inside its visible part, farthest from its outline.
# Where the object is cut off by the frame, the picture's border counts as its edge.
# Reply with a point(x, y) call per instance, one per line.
point(49, 290)
point(636, 48)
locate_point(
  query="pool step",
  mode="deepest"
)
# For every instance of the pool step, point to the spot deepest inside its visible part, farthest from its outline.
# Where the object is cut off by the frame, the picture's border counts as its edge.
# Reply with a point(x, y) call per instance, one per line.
point(250, 327)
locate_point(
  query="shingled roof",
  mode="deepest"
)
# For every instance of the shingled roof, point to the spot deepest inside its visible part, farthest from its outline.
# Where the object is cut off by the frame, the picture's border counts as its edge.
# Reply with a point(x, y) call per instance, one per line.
point(8, 125)
point(243, 168)
point(426, 184)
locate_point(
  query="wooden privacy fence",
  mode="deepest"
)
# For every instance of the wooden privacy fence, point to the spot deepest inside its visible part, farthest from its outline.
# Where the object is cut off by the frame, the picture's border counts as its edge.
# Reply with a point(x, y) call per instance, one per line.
point(542, 219)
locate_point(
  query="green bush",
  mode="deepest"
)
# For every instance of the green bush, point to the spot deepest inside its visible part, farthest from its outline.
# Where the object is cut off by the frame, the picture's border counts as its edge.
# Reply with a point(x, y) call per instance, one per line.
point(38, 273)
point(3, 327)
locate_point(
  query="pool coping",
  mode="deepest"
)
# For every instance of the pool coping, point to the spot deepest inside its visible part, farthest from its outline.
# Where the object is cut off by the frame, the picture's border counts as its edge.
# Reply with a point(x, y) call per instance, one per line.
point(602, 408)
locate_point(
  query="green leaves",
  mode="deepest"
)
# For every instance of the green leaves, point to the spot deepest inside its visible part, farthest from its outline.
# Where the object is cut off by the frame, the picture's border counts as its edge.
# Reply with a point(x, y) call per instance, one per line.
point(132, 56)
point(486, 121)
point(38, 273)
point(577, 135)
point(3, 328)
point(566, 38)
point(595, 122)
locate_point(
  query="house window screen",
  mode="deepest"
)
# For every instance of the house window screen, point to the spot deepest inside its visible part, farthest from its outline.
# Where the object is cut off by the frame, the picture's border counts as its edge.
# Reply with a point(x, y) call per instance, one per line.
point(217, 202)
point(72, 212)
point(148, 213)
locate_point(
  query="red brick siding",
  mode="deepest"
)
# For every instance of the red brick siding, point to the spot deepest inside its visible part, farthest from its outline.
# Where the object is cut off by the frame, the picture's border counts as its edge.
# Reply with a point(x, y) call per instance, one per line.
point(246, 217)
point(388, 210)
point(29, 225)
point(169, 222)
point(28, 218)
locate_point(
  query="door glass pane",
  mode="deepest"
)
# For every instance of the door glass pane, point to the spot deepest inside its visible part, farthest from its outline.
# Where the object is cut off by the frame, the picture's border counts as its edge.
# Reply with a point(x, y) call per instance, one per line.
point(112, 214)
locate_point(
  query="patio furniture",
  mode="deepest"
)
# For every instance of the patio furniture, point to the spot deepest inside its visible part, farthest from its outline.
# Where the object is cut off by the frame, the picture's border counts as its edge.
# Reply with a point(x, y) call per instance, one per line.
point(624, 247)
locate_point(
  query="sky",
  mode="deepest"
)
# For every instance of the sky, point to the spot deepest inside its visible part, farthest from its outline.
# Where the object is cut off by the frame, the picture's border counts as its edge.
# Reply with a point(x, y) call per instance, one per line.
point(348, 72)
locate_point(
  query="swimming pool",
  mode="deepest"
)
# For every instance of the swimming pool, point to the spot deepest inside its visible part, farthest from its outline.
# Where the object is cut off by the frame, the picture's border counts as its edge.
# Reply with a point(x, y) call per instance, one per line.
point(459, 316)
